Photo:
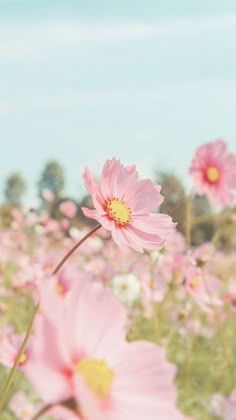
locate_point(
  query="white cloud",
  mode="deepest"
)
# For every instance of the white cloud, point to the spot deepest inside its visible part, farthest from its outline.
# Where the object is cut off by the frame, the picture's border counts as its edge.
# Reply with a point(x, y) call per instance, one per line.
point(26, 39)
point(188, 26)
point(21, 39)
point(15, 48)
point(169, 93)
point(76, 32)
point(4, 108)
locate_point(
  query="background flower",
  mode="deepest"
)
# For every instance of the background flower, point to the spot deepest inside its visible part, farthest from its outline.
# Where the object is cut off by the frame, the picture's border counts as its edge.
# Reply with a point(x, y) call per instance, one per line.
point(214, 172)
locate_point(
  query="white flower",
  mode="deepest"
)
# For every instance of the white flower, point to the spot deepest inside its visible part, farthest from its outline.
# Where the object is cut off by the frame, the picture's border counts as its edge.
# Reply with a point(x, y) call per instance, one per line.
point(215, 405)
point(22, 407)
point(126, 287)
point(155, 255)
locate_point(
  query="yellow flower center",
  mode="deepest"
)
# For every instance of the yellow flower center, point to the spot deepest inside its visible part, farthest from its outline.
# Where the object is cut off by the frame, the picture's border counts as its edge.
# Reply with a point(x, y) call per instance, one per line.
point(194, 282)
point(48, 267)
point(212, 174)
point(60, 288)
point(25, 413)
point(23, 359)
point(97, 375)
point(152, 284)
point(177, 277)
point(124, 286)
point(119, 211)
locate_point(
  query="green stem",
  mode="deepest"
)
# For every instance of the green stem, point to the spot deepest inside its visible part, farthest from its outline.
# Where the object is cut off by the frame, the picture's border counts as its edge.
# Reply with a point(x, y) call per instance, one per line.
point(159, 313)
point(20, 353)
point(221, 333)
point(188, 220)
point(203, 218)
point(29, 329)
point(73, 249)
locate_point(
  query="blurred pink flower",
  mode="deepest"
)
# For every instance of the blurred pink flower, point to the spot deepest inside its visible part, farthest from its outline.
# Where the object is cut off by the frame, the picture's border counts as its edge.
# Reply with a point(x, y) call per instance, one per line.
point(9, 348)
point(79, 351)
point(17, 216)
point(48, 224)
point(68, 208)
point(123, 204)
point(214, 172)
point(6, 330)
point(230, 407)
point(201, 255)
point(3, 307)
point(47, 194)
point(203, 287)
point(65, 224)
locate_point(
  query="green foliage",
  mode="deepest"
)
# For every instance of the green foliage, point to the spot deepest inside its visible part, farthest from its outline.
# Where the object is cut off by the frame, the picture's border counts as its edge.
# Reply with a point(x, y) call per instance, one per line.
point(174, 198)
point(174, 204)
point(205, 365)
point(15, 188)
point(52, 179)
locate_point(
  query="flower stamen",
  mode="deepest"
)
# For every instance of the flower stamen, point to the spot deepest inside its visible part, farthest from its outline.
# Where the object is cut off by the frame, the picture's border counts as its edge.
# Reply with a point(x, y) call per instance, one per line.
point(212, 174)
point(97, 375)
point(23, 359)
point(194, 283)
point(118, 211)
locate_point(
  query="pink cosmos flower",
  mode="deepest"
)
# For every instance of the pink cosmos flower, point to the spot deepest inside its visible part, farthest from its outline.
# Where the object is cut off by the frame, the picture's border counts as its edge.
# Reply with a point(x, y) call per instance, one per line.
point(65, 224)
point(123, 204)
point(203, 287)
point(47, 194)
point(9, 348)
point(68, 208)
point(201, 255)
point(214, 172)
point(79, 352)
point(3, 308)
point(17, 216)
point(230, 407)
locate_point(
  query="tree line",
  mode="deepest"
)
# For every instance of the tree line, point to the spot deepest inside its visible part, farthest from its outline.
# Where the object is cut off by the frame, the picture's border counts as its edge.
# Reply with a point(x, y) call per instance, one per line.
point(51, 191)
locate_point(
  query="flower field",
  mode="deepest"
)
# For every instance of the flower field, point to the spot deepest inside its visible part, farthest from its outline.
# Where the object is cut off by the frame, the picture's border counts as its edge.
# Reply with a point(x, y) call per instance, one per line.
point(123, 318)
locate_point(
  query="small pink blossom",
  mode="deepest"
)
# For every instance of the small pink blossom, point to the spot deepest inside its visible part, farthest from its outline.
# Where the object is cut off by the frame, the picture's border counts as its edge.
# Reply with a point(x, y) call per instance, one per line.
point(68, 208)
point(47, 194)
point(9, 348)
point(214, 172)
point(203, 287)
point(65, 224)
point(123, 205)
point(230, 407)
point(201, 255)
point(17, 216)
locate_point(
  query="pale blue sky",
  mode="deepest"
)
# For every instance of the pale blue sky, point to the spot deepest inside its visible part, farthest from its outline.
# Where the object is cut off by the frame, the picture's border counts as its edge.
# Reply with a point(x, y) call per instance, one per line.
point(145, 81)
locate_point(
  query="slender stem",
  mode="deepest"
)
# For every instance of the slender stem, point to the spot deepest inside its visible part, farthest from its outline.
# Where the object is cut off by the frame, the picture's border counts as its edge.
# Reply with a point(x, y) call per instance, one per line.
point(46, 409)
point(159, 313)
point(203, 218)
point(72, 250)
point(190, 341)
point(221, 333)
point(28, 332)
point(216, 237)
point(188, 220)
point(42, 411)
point(21, 351)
